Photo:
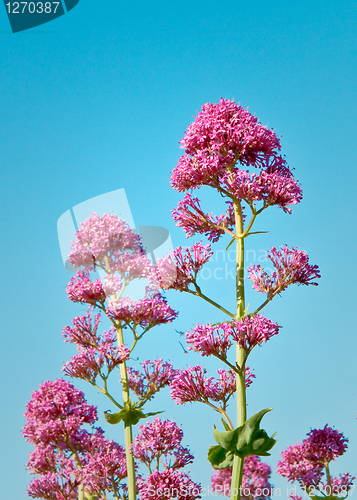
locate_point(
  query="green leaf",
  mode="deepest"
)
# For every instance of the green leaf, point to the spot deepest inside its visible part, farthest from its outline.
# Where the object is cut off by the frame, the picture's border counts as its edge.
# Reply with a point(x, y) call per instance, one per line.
point(130, 416)
point(229, 244)
point(152, 413)
point(225, 425)
point(248, 439)
point(113, 418)
point(220, 458)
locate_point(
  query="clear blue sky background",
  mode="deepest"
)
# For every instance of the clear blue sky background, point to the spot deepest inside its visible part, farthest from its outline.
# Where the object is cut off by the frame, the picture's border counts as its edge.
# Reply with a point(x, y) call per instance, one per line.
point(97, 100)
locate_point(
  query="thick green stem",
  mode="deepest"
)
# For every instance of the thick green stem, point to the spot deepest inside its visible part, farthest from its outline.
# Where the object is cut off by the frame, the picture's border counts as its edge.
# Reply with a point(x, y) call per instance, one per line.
point(328, 477)
point(237, 473)
point(127, 427)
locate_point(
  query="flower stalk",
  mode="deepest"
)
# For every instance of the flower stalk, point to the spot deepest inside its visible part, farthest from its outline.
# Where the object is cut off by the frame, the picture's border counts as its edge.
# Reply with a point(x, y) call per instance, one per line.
point(128, 434)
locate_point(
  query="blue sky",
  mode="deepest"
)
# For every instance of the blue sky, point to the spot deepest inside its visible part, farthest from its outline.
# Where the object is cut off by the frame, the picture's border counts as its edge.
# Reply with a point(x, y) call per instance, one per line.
point(97, 100)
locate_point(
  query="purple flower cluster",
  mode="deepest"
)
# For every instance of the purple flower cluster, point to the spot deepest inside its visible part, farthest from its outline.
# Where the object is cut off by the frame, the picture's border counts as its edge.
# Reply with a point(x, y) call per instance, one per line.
point(160, 442)
point(146, 313)
point(192, 385)
point(292, 266)
point(190, 216)
point(179, 269)
point(306, 462)
point(222, 135)
point(99, 237)
point(255, 484)
point(155, 376)
point(168, 484)
point(95, 352)
point(67, 457)
point(216, 339)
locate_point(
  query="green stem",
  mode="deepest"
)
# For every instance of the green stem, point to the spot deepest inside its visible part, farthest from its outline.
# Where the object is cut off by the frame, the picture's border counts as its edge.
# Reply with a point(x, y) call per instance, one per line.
point(328, 477)
point(127, 427)
point(198, 293)
point(237, 473)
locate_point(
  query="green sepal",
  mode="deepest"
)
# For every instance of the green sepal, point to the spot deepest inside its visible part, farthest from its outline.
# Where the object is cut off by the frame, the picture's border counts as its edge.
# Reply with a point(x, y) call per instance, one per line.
point(219, 457)
point(130, 416)
point(248, 439)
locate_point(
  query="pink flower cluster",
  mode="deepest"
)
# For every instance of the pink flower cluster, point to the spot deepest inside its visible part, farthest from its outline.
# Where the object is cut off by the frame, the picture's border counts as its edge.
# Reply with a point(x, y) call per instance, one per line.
point(155, 376)
point(65, 455)
point(179, 269)
point(192, 385)
point(168, 484)
point(221, 134)
point(160, 442)
point(81, 289)
point(190, 216)
point(306, 462)
point(99, 236)
point(57, 410)
point(146, 313)
point(292, 266)
point(95, 352)
point(255, 483)
point(217, 339)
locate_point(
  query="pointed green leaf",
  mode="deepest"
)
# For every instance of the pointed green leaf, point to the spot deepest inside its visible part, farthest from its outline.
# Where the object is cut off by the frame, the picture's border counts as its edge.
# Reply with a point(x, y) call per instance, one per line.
point(226, 439)
point(113, 418)
point(220, 458)
point(152, 414)
point(225, 425)
point(248, 439)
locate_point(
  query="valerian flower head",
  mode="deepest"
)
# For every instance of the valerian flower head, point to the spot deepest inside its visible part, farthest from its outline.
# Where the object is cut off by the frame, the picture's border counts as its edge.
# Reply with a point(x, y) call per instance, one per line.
point(99, 237)
point(190, 216)
point(160, 441)
point(209, 340)
point(295, 465)
point(292, 266)
point(146, 312)
point(255, 483)
point(192, 385)
point(326, 444)
point(55, 412)
point(81, 289)
point(53, 486)
point(168, 484)
point(306, 462)
point(179, 269)
point(89, 363)
point(252, 331)
point(83, 332)
point(154, 376)
point(220, 135)
point(217, 339)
